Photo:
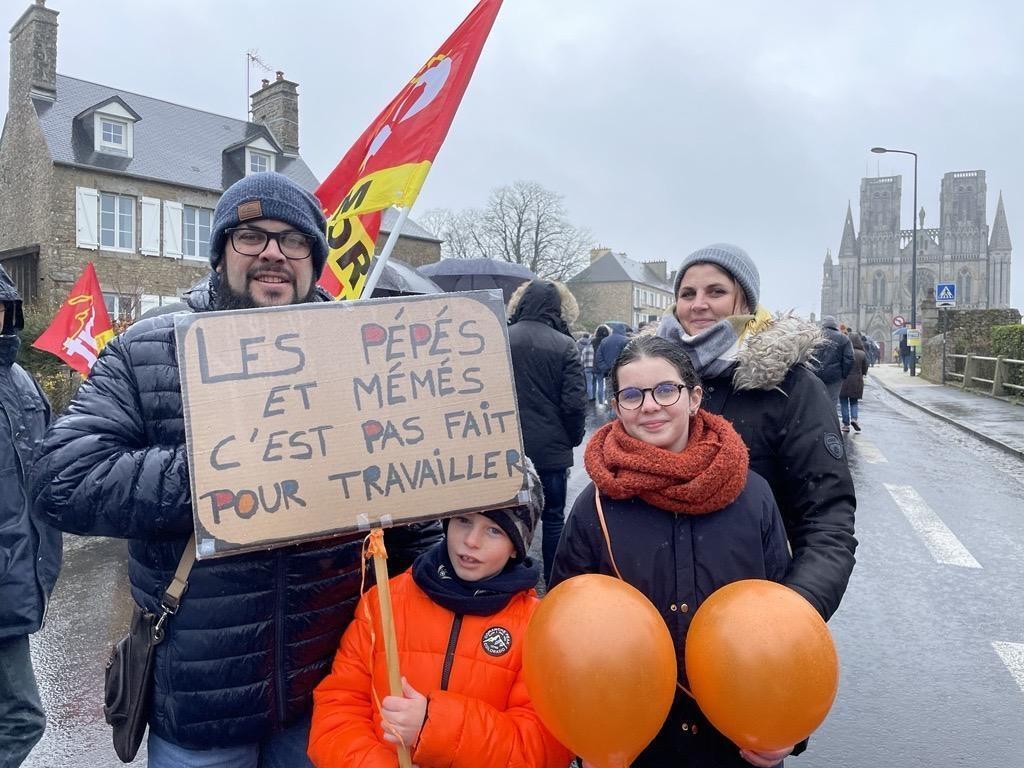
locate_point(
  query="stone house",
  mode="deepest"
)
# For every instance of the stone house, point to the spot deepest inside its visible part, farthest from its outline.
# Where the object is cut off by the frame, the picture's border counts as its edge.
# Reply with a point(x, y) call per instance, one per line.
point(90, 172)
point(617, 288)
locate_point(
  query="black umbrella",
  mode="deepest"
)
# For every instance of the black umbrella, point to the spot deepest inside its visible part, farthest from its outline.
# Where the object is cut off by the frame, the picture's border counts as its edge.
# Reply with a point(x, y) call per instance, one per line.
point(476, 274)
point(399, 279)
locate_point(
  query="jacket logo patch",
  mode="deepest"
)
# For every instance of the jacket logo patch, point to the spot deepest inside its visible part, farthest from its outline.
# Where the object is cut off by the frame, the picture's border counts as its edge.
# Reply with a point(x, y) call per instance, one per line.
point(834, 444)
point(497, 641)
point(250, 210)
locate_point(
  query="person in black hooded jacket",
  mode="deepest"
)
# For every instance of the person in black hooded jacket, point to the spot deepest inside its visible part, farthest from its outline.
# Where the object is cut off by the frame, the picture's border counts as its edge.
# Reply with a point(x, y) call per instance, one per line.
point(255, 633)
point(551, 393)
point(30, 551)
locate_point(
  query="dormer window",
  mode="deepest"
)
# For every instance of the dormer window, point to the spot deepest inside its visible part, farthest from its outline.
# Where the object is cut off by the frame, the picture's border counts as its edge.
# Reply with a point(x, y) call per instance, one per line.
point(111, 124)
point(259, 162)
point(113, 134)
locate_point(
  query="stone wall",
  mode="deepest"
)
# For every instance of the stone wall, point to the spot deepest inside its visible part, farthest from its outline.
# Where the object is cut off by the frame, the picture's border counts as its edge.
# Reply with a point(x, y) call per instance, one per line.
point(25, 169)
point(964, 330)
point(413, 252)
point(61, 261)
point(600, 302)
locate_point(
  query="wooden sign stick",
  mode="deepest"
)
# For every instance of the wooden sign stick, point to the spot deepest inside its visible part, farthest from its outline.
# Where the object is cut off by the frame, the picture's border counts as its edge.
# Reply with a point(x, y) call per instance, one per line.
point(387, 620)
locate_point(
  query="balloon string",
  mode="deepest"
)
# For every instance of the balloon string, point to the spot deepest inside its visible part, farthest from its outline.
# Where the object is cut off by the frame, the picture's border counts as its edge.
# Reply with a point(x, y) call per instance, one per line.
point(373, 543)
point(611, 555)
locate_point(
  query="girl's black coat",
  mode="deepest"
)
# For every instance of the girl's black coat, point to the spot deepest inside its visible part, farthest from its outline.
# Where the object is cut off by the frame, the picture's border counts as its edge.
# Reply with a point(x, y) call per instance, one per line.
point(678, 560)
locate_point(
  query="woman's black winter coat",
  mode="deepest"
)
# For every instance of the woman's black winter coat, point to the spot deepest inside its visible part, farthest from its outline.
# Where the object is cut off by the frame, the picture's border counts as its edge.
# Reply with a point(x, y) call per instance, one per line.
point(255, 633)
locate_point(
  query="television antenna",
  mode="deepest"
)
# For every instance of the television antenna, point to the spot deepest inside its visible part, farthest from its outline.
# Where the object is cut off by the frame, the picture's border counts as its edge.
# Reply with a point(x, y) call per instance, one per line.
point(252, 59)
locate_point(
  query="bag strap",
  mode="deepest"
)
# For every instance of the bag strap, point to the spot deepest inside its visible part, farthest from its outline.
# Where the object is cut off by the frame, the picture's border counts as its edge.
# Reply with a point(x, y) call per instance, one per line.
point(171, 600)
point(604, 530)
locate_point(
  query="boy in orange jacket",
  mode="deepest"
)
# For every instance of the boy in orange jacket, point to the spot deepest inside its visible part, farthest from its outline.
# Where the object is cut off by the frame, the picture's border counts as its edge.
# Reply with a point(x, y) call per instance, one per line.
point(460, 617)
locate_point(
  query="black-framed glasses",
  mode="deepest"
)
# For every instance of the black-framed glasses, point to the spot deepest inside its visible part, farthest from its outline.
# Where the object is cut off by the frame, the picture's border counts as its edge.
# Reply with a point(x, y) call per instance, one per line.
point(665, 394)
point(252, 242)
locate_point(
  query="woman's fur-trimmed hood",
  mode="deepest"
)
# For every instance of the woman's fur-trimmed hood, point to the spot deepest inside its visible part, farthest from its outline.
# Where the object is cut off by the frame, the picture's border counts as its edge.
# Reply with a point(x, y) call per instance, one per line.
point(569, 309)
point(768, 355)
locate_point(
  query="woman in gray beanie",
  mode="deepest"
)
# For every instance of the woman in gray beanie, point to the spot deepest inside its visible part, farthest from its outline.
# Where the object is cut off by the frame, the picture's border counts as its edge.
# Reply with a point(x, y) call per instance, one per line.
point(755, 371)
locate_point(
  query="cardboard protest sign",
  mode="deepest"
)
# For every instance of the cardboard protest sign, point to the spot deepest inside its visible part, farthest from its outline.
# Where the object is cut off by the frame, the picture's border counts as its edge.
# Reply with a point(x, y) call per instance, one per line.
point(315, 419)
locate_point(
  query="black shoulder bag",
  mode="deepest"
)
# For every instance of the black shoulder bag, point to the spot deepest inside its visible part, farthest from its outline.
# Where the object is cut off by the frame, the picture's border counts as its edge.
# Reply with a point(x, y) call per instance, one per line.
point(128, 679)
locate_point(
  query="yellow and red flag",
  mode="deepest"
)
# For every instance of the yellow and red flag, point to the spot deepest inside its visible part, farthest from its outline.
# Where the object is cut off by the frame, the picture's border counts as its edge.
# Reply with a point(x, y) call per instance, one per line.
point(82, 326)
point(388, 163)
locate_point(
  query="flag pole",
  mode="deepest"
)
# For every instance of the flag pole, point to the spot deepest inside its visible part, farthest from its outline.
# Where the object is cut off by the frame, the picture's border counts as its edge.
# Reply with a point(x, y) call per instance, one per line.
point(389, 246)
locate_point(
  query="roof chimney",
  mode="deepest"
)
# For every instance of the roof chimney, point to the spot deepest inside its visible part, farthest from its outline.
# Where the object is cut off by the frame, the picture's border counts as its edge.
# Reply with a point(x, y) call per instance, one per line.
point(34, 55)
point(597, 253)
point(276, 105)
point(660, 268)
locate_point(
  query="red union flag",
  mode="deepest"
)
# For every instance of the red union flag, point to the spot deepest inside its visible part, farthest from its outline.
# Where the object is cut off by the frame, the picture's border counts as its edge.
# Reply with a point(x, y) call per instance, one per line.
point(388, 163)
point(82, 326)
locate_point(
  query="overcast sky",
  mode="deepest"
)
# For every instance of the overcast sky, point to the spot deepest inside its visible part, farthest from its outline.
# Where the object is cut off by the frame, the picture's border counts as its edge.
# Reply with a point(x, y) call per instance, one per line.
point(665, 125)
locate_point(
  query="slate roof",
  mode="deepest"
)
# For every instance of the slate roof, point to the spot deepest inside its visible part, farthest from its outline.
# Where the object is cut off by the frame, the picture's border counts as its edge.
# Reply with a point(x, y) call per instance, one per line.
point(410, 229)
point(619, 268)
point(171, 143)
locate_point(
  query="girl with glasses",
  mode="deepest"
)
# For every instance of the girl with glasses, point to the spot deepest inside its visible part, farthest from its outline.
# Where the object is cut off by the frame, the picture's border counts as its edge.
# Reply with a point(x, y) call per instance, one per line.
point(684, 516)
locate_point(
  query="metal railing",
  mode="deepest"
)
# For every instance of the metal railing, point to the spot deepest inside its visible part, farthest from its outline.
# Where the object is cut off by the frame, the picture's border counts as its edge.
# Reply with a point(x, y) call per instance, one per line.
point(976, 365)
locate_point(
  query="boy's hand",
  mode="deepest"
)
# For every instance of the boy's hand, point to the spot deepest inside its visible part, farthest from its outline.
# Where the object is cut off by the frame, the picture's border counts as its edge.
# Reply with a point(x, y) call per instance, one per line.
point(404, 714)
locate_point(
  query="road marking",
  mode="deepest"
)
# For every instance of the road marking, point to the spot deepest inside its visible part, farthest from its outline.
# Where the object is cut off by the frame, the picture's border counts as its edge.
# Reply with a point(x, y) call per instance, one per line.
point(1012, 655)
point(944, 546)
point(868, 451)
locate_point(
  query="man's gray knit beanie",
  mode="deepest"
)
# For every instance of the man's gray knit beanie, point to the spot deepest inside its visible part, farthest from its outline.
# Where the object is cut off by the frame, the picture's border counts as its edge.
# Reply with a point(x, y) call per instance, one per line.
point(733, 260)
point(269, 196)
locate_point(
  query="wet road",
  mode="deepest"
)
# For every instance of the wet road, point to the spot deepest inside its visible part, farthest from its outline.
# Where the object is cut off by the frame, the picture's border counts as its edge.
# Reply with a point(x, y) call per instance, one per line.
point(930, 633)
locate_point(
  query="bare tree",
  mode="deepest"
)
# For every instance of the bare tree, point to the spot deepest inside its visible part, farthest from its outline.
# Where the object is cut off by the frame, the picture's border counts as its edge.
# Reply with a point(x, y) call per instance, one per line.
point(527, 224)
point(523, 223)
point(461, 232)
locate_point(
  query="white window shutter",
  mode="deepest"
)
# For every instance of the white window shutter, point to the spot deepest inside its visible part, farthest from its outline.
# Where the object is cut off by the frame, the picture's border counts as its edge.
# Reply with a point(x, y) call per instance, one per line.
point(150, 226)
point(172, 229)
point(87, 204)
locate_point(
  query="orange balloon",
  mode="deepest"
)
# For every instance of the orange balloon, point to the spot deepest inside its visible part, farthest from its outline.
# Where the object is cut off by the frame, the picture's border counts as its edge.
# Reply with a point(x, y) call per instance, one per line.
point(761, 664)
point(600, 666)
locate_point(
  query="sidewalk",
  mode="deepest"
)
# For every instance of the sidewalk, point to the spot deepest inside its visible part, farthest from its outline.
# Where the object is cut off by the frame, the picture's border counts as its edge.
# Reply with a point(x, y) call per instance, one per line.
point(994, 421)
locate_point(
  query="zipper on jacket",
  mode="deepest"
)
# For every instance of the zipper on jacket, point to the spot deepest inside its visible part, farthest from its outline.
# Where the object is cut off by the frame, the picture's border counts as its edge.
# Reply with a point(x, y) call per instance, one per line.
point(449, 655)
point(279, 619)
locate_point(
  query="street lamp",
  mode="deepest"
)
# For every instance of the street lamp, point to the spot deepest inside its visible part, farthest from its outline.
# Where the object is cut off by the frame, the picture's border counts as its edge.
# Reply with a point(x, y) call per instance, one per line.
point(913, 255)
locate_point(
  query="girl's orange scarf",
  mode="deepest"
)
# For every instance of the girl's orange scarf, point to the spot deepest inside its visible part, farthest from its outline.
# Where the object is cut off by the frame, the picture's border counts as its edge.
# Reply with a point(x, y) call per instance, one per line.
point(706, 476)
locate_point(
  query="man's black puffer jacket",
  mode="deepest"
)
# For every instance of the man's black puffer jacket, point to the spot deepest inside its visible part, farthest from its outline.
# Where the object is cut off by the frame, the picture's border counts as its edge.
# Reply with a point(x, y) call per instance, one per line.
point(255, 632)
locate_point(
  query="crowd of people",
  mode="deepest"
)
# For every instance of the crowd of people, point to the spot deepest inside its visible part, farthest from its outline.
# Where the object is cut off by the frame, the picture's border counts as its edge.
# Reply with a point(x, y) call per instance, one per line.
point(723, 460)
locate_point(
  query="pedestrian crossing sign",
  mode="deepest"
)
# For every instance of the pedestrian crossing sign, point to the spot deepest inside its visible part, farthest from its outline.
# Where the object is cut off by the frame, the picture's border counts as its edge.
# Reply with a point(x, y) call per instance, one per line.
point(945, 294)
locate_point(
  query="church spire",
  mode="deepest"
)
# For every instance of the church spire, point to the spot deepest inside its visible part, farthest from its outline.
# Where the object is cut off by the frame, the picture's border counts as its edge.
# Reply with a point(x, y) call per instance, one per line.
point(1000, 240)
point(848, 247)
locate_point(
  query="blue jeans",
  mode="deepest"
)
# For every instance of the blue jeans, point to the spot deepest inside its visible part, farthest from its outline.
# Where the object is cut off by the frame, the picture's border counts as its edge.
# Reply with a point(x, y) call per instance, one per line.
point(555, 483)
point(849, 408)
point(598, 383)
point(588, 375)
point(286, 749)
point(21, 714)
